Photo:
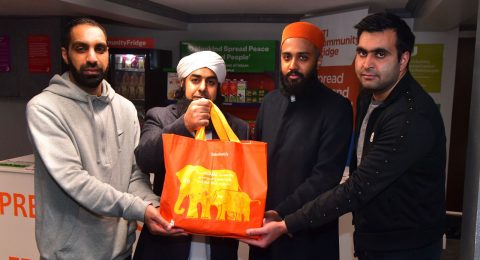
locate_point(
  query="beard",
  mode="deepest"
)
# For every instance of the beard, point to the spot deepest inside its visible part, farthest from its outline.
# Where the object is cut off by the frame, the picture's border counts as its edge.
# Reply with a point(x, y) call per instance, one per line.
point(299, 86)
point(88, 81)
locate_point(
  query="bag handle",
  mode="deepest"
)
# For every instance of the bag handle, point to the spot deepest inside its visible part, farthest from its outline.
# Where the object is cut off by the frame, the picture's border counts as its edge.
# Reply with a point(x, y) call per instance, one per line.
point(224, 131)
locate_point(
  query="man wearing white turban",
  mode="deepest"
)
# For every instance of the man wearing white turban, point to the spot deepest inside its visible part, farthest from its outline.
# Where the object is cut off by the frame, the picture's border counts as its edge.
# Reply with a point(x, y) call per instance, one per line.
point(201, 75)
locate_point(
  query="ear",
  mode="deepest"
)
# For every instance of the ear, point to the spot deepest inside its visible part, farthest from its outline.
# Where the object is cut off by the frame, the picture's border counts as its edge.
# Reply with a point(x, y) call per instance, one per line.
point(65, 55)
point(404, 59)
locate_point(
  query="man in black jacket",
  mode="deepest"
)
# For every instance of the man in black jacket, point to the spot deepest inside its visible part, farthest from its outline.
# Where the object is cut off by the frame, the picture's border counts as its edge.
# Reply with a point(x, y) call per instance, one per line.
point(308, 128)
point(397, 185)
point(201, 75)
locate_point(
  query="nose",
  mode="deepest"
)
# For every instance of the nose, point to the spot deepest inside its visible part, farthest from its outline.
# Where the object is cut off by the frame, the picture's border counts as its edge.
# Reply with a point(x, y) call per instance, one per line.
point(92, 56)
point(293, 65)
point(368, 61)
point(203, 86)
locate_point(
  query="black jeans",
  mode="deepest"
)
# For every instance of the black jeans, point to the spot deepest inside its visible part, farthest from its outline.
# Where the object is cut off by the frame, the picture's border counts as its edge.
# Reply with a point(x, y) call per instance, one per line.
point(430, 252)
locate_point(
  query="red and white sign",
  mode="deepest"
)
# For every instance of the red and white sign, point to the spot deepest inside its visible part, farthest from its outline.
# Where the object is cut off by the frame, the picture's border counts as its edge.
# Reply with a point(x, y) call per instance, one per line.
point(39, 60)
point(130, 43)
point(337, 70)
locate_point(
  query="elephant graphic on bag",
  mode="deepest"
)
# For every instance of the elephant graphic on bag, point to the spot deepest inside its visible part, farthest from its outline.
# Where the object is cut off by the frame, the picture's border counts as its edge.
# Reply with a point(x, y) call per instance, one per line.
point(199, 184)
point(232, 203)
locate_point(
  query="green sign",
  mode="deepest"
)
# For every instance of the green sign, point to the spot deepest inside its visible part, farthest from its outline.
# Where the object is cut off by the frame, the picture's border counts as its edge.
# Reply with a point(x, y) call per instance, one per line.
point(239, 56)
point(426, 66)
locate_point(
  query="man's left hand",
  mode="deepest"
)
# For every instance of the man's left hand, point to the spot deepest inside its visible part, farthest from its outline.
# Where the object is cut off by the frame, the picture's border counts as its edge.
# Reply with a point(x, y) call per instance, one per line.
point(267, 234)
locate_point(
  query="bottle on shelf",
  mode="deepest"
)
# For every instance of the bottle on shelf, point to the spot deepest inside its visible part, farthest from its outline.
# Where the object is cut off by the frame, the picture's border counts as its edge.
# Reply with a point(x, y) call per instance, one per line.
point(233, 91)
point(225, 89)
point(261, 92)
point(241, 89)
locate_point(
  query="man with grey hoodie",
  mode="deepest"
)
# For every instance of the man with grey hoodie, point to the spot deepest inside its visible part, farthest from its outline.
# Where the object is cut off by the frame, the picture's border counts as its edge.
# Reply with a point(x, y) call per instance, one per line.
point(89, 191)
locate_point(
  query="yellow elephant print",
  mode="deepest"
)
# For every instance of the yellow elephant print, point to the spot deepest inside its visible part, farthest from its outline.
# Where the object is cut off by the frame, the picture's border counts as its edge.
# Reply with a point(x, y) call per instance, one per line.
point(232, 205)
point(199, 184)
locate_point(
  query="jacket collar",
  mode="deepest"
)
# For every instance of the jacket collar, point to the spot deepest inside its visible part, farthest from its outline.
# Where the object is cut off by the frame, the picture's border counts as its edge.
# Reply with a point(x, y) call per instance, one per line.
point(402, 87)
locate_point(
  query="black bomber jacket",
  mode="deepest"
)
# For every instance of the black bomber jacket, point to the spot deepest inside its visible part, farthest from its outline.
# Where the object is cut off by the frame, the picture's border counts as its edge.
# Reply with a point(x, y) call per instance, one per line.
point(397, 193)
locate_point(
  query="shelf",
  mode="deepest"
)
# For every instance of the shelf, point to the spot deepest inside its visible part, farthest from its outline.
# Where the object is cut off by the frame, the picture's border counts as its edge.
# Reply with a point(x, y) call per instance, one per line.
point(234, 104)
point(130, 69)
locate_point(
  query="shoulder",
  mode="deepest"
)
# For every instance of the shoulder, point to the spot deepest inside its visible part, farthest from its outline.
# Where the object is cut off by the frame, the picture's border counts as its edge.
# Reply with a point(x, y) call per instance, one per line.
point(124, 105)
point(45, 100)
point(162, 112)
point(331, 100)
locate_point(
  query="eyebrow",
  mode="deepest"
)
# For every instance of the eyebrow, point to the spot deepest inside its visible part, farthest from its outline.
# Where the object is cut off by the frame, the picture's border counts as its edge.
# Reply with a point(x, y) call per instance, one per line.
point(298, 53)
point(84, 43)
point(377, 50)
point(200, 76)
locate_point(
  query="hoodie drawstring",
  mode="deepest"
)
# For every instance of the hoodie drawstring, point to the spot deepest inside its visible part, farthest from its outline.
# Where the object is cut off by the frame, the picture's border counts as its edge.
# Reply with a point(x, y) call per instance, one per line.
point(95, 130)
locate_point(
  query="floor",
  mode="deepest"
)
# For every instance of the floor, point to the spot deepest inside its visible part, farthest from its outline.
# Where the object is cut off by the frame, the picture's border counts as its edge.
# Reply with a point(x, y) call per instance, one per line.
point(452, 252)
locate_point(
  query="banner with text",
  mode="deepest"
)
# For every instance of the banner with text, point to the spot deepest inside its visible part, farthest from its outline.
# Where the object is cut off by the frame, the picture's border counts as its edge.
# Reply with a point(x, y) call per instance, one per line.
point(239, 56)
point(426, 66)
point(130, 43)
point(337, 70)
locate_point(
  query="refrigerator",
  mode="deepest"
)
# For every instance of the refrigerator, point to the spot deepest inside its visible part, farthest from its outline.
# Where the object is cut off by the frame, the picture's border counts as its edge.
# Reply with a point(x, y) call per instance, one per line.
point(139, 75)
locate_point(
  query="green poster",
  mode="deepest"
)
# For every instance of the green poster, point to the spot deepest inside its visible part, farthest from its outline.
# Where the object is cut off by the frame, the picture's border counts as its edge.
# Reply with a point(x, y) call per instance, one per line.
point(239, 56)
point(426, 66)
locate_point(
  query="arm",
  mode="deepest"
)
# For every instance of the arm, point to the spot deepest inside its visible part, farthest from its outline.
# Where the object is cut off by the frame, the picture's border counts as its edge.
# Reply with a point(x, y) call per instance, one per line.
point(372, 177)
point(57, 151)
point(397, 148)
point(330, 164)
point(139, 182)
point(149, 152)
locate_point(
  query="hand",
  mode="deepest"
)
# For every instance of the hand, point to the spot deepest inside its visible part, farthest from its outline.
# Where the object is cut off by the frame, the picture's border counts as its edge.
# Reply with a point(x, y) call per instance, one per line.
point(157, 225)
point(267, 234)
point(271, 215)
point(197, 115)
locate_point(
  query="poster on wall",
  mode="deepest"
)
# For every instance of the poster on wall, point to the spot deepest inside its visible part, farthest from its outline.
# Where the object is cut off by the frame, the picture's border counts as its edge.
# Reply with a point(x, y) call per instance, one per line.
point(336, 69)
point(426, 66)
point(5, 64)
point(39, 60)
point(239, 56)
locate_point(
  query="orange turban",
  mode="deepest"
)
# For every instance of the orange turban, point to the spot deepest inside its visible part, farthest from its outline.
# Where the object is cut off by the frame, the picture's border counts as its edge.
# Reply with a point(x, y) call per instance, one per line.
point(306, 31)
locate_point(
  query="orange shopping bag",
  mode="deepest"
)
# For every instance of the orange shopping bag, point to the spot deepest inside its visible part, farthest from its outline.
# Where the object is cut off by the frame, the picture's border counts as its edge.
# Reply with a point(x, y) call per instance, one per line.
point(214, 187)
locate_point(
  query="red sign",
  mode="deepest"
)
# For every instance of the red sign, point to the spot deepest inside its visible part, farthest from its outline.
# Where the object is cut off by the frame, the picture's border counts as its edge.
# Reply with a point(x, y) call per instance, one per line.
point(343, 80)
point(39, 54)
point(131, 43)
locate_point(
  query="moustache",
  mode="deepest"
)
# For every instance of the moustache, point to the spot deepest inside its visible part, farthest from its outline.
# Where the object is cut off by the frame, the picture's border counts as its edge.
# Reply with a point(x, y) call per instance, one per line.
point(296, 73)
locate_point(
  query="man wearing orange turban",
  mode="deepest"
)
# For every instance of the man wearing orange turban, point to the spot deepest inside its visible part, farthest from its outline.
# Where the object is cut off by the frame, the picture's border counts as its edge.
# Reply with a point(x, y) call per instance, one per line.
point(307, 127)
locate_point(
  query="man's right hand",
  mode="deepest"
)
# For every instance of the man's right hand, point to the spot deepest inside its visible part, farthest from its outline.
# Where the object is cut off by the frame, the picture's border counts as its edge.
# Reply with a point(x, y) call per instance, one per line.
point(157, 225)
point(197, 115)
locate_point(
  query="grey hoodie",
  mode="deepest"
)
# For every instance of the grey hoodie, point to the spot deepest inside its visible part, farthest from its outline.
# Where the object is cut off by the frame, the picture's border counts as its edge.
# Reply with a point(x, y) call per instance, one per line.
point(89, 192)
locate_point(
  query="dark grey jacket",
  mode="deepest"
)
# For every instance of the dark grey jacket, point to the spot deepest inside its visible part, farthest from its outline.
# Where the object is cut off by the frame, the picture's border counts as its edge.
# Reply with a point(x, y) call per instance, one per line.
point(149, 156)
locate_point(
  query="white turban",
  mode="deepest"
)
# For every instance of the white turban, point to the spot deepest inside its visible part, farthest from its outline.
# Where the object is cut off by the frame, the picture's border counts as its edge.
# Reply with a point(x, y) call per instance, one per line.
point(202, 59)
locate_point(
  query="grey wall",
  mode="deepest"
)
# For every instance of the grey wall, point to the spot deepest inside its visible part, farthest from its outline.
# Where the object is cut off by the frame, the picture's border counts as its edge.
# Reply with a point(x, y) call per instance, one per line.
point(19, 85)
point(19, 82)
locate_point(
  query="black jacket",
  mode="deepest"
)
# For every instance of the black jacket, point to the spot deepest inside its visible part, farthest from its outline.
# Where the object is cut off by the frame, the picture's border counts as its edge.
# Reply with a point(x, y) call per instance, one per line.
point(149, 157)
point(308, 143)
point(397, 193)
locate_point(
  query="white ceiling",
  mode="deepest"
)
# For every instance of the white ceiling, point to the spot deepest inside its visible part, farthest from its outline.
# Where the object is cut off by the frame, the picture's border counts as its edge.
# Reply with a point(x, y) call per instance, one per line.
point(176, 14)
point(273, 6)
